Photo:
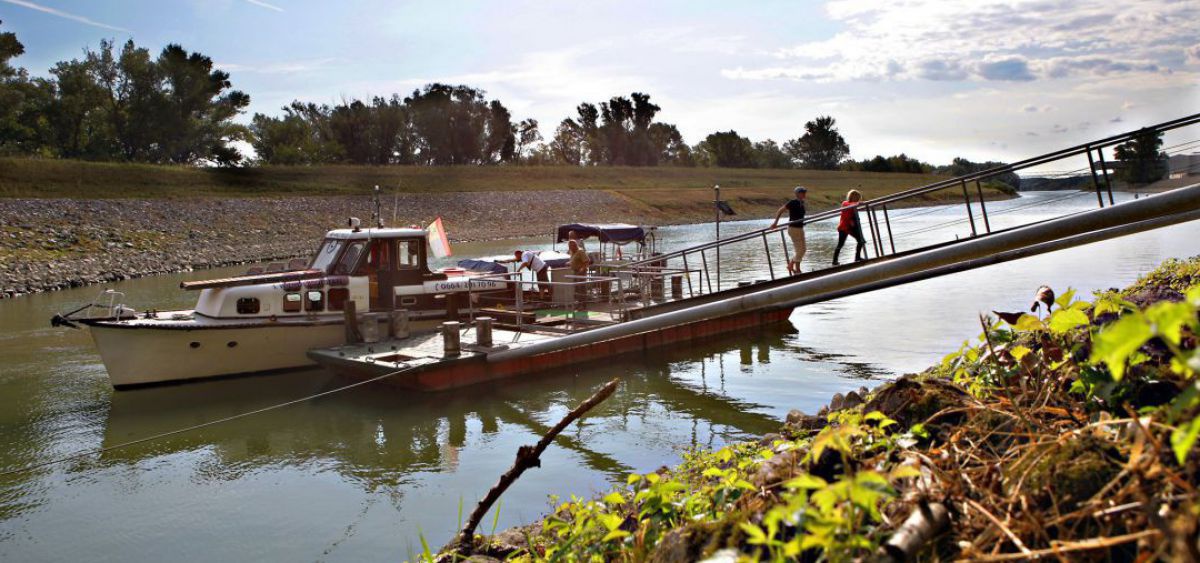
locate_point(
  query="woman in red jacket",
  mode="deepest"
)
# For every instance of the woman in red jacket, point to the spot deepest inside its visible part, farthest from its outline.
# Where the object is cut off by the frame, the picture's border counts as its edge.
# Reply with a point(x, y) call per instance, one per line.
point(849, 225)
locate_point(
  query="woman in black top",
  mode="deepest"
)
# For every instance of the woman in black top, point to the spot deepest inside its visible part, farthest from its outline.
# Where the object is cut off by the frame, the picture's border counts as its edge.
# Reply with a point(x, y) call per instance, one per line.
point(796, 210)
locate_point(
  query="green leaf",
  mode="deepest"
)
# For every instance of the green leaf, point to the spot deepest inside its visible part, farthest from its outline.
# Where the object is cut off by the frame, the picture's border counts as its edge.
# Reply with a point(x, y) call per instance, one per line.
point(1019, 352)
point(1169, 318)
point(1029, 323)
point(1064, 300)
point(633, 478)
point(1064, 320)
point(615, 534)
point(614, 498)
point(1117, 341)
point(757, 535)
point(610, 521)
point(1193, 295)
point(653, 477)
point(805, 481)
point(1183, 438)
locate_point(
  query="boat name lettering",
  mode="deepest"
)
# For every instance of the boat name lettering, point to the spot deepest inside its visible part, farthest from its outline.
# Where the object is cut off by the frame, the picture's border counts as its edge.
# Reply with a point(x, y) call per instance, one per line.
point(462, 285)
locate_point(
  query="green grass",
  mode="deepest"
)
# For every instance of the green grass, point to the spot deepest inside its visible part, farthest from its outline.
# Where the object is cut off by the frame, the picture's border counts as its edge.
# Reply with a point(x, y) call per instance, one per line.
point(663, 194)
point(77, 179)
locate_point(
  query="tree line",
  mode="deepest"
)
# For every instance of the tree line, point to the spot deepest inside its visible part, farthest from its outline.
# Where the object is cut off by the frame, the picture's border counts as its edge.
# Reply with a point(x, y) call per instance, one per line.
point(123, 104)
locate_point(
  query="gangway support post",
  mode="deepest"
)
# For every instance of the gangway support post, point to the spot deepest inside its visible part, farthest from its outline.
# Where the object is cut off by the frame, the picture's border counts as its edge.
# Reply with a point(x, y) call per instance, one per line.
point(767, 249)
point(1104, 170)
point(987, 227)
point(970, 215)
point(866, 210)
point(888, 222)
point(1095, 181)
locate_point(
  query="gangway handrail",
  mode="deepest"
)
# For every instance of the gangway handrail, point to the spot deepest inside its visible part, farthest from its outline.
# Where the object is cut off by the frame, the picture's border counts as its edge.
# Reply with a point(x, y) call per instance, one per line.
point(932, 187)
point(1173, 207)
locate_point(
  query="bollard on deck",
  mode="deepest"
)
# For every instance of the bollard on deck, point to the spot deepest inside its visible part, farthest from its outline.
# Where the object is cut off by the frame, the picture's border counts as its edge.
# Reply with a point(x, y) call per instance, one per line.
point(483, 331)
point(450, 338)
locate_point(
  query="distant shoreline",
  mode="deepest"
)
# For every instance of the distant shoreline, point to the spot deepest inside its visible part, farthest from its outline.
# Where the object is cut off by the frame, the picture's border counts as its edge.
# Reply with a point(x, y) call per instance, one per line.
point(56, 243)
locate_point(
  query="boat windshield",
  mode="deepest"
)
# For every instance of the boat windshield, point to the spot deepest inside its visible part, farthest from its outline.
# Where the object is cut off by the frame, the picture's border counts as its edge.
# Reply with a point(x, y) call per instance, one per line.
point(327, 253)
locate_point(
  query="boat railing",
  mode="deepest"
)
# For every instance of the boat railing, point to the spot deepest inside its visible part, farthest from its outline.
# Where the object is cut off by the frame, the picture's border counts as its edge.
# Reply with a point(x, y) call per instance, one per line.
point(704, 260)
point(580, 289)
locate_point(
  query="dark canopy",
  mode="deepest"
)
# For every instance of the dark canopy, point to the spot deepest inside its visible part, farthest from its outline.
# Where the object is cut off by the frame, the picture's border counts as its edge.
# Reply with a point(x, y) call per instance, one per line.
point(618, 233)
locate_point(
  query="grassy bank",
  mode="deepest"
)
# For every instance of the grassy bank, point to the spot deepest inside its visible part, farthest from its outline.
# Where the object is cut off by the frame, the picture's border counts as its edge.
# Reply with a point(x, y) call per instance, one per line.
point(1068, 435)
point(659, 194)
point(78, 179)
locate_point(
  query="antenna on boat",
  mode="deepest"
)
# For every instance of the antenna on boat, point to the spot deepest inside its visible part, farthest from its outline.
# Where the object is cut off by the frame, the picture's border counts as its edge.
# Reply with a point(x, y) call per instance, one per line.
point(378, 214)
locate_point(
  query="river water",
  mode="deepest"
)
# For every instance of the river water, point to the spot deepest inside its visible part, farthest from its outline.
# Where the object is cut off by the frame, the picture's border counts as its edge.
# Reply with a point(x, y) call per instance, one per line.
point(364, 475)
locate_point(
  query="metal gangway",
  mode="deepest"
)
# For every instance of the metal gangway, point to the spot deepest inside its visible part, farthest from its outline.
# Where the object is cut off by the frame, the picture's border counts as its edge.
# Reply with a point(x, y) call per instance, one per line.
point(699, 268)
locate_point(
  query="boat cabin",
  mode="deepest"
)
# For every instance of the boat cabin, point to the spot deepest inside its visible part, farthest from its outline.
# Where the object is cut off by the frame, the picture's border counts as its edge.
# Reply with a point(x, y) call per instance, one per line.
point(379, 269)
point(389, 259)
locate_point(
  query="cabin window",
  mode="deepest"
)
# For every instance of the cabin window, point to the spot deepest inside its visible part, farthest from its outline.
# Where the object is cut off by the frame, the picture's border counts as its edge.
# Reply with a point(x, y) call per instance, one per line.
point(314, 301)
point(326, 254)
point(379, 258)
point(291, 302)
point(409, 256)
point(247, 306)
point(337, 298)
point(349, 258)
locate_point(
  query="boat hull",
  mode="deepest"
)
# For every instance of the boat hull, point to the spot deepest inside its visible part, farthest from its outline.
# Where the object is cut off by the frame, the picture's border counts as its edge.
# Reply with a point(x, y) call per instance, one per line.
point(142, 355)
point(454, 372)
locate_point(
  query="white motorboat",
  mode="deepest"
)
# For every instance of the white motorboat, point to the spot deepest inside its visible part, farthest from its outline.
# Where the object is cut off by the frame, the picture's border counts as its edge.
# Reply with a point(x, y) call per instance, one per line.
point(268, 321)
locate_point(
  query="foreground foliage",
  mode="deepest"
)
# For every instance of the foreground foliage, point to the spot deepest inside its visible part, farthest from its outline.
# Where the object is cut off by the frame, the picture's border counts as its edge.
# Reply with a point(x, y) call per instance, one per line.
point(1070, 435)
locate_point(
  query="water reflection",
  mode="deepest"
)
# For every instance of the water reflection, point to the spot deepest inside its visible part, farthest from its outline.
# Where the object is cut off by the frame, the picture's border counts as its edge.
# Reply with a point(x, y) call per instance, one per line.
point(355, 475)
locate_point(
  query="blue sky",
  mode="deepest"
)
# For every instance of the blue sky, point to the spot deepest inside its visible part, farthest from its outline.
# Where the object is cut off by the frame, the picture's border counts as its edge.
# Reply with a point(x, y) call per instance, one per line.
point(983, 79)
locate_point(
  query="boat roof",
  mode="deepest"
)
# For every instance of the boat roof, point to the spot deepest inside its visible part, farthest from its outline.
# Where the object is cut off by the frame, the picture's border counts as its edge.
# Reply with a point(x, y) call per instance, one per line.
point(611, 232)
point(364, 234)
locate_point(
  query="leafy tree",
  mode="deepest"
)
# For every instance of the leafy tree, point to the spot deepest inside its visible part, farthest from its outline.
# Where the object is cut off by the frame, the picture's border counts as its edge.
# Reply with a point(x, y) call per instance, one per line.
point(193, 107)
point(527, 137)
point(728, 150)
point(669, 146)
point(961, 166)
point(898, 163)
point(350, 127)
point(569, 145)
point(454, 125)
point(15, 89)
point(594, 146)
point(768, 154)
point(302, 135)
point(501, 134)
point(80, 127)
point(821, 147)
point(1141, 157)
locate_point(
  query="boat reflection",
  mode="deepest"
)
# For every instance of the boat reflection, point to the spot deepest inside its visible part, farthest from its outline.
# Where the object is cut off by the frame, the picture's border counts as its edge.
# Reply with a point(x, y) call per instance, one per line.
point(378, 435)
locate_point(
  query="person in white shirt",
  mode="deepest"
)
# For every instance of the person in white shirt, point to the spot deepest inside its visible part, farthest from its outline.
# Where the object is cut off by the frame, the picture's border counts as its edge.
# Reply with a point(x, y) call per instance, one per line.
point(529, 259)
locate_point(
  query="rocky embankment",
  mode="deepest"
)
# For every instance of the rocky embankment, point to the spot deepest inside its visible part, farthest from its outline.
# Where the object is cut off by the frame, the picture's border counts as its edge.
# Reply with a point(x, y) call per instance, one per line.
point(48, 244)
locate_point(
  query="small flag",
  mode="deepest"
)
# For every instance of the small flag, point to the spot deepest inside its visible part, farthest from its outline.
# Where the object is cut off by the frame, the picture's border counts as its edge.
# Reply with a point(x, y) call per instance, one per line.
point(725, 209)
point(437, 239)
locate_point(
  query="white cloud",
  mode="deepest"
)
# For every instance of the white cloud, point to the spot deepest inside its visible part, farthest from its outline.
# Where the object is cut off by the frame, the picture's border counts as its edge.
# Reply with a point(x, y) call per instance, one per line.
point(989, 40)
point(262, 4)
point(1193, 54)
point(62, 14)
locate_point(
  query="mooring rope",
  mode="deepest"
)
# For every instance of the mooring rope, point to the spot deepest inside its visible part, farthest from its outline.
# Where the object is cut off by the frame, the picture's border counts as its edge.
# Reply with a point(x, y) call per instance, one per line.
point(162, 435)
